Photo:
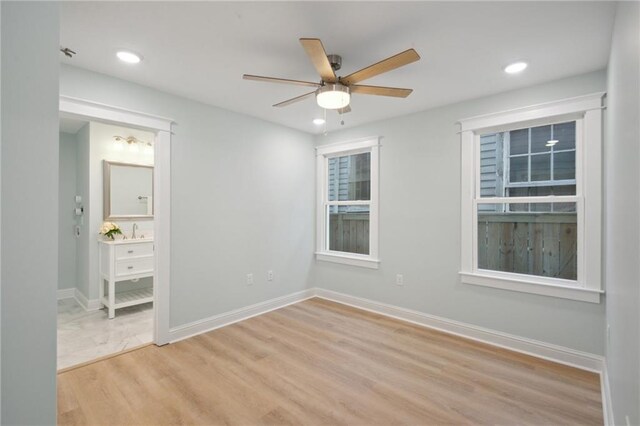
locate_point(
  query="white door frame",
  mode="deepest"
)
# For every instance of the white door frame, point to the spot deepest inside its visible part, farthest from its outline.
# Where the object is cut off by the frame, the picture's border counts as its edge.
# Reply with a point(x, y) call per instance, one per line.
point(161, 126)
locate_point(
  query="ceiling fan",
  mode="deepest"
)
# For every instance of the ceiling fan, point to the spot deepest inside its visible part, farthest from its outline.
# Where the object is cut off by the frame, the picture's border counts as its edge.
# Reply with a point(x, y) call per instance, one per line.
point(334, 92)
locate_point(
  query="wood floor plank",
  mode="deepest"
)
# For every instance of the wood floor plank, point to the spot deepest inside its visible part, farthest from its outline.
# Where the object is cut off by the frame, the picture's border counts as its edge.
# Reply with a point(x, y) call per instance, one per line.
point(319, 362)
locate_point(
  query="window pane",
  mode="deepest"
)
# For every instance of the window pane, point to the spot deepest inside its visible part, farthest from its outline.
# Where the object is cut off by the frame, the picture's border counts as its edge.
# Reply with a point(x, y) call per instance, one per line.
point(564, 165)
point(518, 169)
point(540, 167)
point(542, 242)
point(519, 141)
point(490, 165)
point(350, 177)
point(565, 134)
point(539, 138)
point(349, 229)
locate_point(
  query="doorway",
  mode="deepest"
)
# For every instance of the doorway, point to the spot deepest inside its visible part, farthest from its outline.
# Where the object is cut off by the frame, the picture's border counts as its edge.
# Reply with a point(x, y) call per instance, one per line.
point(114, 231)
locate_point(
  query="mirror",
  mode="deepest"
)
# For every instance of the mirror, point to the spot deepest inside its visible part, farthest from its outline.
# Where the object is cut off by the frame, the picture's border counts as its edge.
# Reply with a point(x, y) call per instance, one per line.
point(128, 191)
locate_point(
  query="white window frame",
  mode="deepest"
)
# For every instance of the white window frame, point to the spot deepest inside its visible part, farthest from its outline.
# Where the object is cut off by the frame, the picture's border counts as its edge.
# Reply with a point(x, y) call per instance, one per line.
point(587, 112)
point(323, 154)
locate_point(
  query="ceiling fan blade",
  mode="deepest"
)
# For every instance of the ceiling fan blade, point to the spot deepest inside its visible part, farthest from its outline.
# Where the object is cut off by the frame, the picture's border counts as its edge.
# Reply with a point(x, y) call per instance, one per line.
point(315, 51)
point(391, 63)
point(280, 80)
point(396, 92)
point(344, 110)
point(294, 100)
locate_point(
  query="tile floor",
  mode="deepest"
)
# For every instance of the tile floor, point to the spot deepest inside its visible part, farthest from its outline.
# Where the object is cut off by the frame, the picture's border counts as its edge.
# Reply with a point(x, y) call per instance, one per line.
point(83, 336)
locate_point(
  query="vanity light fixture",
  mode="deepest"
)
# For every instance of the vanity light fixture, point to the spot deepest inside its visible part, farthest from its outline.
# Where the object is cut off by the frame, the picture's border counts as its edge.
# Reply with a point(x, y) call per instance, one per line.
point(148, 148)
point(132, 141)
point(516, 67)
point(119, 143)
point(128, 56)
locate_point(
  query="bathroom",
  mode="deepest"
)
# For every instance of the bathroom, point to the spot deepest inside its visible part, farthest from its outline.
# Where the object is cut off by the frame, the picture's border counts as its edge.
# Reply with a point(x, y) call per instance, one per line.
point(105, 293)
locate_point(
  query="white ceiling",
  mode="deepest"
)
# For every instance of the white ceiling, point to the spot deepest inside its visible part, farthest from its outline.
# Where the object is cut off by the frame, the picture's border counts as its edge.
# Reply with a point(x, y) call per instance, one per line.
point(200, 50)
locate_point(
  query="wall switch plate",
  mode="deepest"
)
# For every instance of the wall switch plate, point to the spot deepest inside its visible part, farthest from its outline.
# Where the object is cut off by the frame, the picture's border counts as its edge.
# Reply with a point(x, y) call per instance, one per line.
point(270, 276)
point(608, 333)
point(249, 279)
point(399, 279)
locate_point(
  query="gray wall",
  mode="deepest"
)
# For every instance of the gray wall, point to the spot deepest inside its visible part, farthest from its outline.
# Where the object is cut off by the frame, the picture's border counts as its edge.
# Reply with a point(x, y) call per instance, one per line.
point(29, 211)
point(67, 219)
point(242, 198)
point(622, 213)
point(420, 227)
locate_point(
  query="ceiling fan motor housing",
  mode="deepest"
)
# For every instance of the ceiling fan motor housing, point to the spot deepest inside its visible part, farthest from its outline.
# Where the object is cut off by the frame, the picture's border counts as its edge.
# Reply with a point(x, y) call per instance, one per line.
point(335, 61)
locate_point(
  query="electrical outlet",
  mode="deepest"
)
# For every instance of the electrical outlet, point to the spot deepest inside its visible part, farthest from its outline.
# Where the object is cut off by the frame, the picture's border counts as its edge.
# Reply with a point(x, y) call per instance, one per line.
point(270, 276)
point(399, 279)
point(249, 279)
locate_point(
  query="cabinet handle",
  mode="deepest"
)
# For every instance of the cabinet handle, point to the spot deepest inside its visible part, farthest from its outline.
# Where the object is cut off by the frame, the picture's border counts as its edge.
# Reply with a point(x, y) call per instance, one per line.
point(130, 251)
point(129, 267)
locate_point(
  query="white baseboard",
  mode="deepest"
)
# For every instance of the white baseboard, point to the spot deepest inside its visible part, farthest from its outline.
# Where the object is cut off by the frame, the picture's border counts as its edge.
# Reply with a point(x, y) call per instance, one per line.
point(66, 293)
point(555, 353)
point(217, 321)
point(607, 408)
point(87, 304)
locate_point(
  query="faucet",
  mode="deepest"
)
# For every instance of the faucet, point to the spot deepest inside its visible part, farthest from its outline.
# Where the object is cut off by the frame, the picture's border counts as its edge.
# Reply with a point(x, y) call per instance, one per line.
point(133, 234)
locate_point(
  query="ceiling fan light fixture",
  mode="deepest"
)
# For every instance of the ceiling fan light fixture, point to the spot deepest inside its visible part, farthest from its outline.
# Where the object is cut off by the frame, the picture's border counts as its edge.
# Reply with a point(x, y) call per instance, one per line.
point(333, 96)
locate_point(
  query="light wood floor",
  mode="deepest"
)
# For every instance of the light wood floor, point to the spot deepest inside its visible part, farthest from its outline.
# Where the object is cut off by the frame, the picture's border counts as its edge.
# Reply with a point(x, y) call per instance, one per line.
point(319, 362)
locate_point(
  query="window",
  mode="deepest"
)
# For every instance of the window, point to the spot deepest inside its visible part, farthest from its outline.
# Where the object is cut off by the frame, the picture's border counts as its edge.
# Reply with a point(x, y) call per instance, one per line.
point(534, 238)
point(531, 202)
point(348, 203)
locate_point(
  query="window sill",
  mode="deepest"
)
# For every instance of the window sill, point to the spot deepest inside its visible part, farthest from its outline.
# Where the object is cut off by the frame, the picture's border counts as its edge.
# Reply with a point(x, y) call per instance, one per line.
point(530, 286)
point(348, 259)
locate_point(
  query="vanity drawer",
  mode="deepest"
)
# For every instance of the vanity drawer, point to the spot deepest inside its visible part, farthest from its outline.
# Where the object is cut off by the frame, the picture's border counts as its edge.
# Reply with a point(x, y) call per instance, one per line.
point(134, 250)
point(134, 266)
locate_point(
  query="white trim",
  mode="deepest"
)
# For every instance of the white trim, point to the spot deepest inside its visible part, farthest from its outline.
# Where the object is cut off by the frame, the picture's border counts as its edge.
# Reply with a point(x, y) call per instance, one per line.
point(66, 293)
point(88, 304)
point(240, 314)
point(354, 144)
point(547, 110)
point(161, 126)
point(349, 259)
point(607, 407)
point(534, 285)
point(323, 153)
point(96, 110)
point(536, 348)
point(587, 113)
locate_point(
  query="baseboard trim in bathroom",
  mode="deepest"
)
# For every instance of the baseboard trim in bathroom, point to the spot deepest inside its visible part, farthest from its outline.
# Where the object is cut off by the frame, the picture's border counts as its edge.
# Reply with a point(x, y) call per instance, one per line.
point(66, 293)
point(87, 304)
point(102, 358)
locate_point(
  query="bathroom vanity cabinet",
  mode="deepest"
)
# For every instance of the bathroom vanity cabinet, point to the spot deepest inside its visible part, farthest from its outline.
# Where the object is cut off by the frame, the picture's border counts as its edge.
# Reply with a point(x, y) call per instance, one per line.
point(124, 260)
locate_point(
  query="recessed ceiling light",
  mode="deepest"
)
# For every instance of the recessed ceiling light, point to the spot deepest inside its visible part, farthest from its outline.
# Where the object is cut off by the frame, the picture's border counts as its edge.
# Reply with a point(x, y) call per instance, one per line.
point(318, 121)
point(515, 68)
point(128, 56)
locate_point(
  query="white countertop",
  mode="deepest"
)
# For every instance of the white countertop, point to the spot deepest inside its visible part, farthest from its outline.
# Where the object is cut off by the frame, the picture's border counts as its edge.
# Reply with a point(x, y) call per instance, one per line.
point(127, 241)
